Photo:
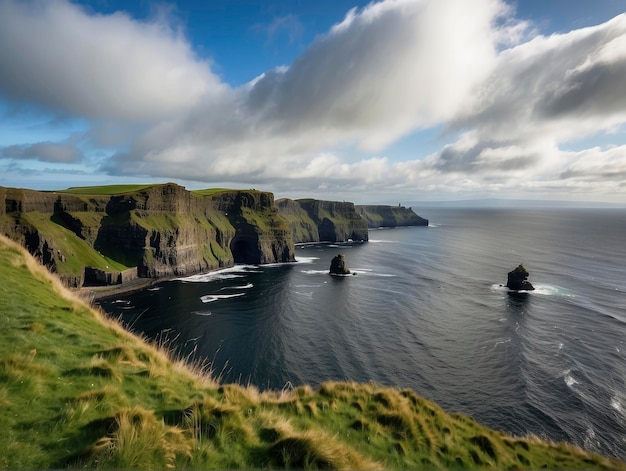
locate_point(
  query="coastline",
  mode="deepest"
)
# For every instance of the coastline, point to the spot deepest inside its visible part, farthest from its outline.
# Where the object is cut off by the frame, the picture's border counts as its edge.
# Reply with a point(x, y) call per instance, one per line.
point(95, 293)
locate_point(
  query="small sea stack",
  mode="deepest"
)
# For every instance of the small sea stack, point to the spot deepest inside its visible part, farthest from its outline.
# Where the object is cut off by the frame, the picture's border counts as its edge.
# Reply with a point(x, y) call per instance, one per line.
point(338, 266)
point(517, 279)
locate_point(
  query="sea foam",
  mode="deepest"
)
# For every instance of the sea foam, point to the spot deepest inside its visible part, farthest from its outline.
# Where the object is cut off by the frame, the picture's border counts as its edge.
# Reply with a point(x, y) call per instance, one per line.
point(209, 298)
point(238, 271)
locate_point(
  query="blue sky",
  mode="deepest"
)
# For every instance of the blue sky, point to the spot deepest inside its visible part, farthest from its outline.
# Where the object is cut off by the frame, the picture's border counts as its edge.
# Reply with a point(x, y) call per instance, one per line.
point(397, 100)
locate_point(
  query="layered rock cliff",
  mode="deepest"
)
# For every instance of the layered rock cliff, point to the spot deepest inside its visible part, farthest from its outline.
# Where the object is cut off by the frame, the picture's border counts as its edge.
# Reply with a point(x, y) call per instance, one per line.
point(390, 216)
point(303, 228)
point(155, 231)
point(327, 221)
point(109, 235)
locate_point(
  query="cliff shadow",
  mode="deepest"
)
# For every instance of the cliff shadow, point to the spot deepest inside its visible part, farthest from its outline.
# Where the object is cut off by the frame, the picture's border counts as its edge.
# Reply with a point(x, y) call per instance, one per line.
point(120, 240)
point(245, 249)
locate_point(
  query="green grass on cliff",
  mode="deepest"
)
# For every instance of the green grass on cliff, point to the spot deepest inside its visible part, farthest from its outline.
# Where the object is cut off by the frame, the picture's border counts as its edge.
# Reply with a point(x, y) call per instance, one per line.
point(211, 191)
point(104, 190)
point(76, 390)
point(77, 252)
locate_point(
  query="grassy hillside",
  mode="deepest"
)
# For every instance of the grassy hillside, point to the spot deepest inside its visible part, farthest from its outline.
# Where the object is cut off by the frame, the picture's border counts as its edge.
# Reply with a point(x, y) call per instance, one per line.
point(76, 390)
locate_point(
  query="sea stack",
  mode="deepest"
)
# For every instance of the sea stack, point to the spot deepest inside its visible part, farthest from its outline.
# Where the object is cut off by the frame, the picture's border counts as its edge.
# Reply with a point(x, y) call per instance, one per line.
point(517, 279)
point(338, 266)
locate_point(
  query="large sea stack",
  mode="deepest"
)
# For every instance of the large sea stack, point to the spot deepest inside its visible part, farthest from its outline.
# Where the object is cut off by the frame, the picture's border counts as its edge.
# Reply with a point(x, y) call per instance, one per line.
point(517, 279)
point(338, 266)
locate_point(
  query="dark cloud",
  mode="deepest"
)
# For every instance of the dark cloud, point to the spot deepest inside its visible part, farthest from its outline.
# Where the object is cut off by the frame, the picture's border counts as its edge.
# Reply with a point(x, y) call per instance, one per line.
point(597, 90)
point(44, 151)
point(484, 156)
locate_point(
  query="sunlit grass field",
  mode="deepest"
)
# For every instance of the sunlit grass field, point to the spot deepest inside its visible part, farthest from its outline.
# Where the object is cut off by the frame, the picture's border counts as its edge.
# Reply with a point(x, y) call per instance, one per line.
point(77, 390)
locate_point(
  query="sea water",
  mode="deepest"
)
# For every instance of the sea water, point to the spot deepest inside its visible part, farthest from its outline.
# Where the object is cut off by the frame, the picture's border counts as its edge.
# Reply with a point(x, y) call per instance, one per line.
point(425, 309)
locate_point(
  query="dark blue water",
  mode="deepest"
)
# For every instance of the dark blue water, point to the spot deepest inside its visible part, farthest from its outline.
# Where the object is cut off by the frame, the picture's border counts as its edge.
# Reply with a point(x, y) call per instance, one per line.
point(425, 310)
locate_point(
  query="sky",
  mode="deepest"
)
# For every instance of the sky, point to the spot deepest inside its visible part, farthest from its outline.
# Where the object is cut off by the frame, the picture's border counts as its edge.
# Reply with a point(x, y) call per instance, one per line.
point(372, 102)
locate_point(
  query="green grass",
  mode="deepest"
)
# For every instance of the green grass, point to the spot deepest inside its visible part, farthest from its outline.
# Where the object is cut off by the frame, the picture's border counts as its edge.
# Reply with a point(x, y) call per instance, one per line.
point(104, 190)
point(76, 390)
point(78, 253)
point(212, 191)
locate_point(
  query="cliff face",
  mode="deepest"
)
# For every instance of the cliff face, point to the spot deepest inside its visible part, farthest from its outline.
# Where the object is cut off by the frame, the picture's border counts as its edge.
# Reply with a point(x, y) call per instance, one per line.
point(157, 231)
point(164, 230)
point(303, 228)
point(328, 221)
point(261, 235)
point(390, 216)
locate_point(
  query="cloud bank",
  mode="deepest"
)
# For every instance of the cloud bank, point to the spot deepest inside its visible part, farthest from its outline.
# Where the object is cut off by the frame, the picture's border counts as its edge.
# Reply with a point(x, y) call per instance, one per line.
point(516, 107)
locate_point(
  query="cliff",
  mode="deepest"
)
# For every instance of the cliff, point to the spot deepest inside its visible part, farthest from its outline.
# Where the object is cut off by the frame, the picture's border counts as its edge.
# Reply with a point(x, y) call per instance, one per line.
point(89, 236)
point(390, 216)
point(327, 221)
point(302, 227)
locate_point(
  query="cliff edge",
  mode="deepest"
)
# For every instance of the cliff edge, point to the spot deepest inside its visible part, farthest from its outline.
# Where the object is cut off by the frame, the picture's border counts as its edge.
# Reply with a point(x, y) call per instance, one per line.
point(111, 235)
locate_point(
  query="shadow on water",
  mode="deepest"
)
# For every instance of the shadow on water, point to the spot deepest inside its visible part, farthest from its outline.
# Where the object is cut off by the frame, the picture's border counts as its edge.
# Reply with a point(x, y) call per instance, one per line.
point(517, 302)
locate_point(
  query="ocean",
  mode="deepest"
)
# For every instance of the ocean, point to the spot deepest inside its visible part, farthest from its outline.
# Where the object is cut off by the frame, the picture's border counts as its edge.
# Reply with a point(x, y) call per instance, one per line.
point(425, 309)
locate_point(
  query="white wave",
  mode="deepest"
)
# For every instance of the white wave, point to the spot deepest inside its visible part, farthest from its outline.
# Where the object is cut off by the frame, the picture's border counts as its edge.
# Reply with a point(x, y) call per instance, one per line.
point(370, 272)
point(121, 301)
point(314, 272)
point(307, 294)
point(569, 379)
point(202, 313)
point(549, 290)
point(377, 241)
point(615, 404)
point(248, 286)
point(308, 286)
point(156, 288)
point(306, 259)
point(209, 298)
point(540, 289)
point(238, 271)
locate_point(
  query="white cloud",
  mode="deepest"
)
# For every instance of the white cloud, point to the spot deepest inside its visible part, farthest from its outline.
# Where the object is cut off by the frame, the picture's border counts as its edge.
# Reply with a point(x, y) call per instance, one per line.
point(55, 55)
point(509, 100)
point(383, 72)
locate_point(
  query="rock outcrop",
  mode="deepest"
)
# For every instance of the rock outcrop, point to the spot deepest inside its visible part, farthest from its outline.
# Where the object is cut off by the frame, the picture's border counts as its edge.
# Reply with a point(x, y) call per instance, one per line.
point(325, 221)
point(338, 266)
point(517, 279)
point(154, 231)
point(390, 216)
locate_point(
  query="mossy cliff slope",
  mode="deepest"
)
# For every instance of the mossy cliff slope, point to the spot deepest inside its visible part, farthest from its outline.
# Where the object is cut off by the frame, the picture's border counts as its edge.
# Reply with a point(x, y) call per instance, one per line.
point(390, 216)
point(77, 391)
point(328, 221)
point(100, 236)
